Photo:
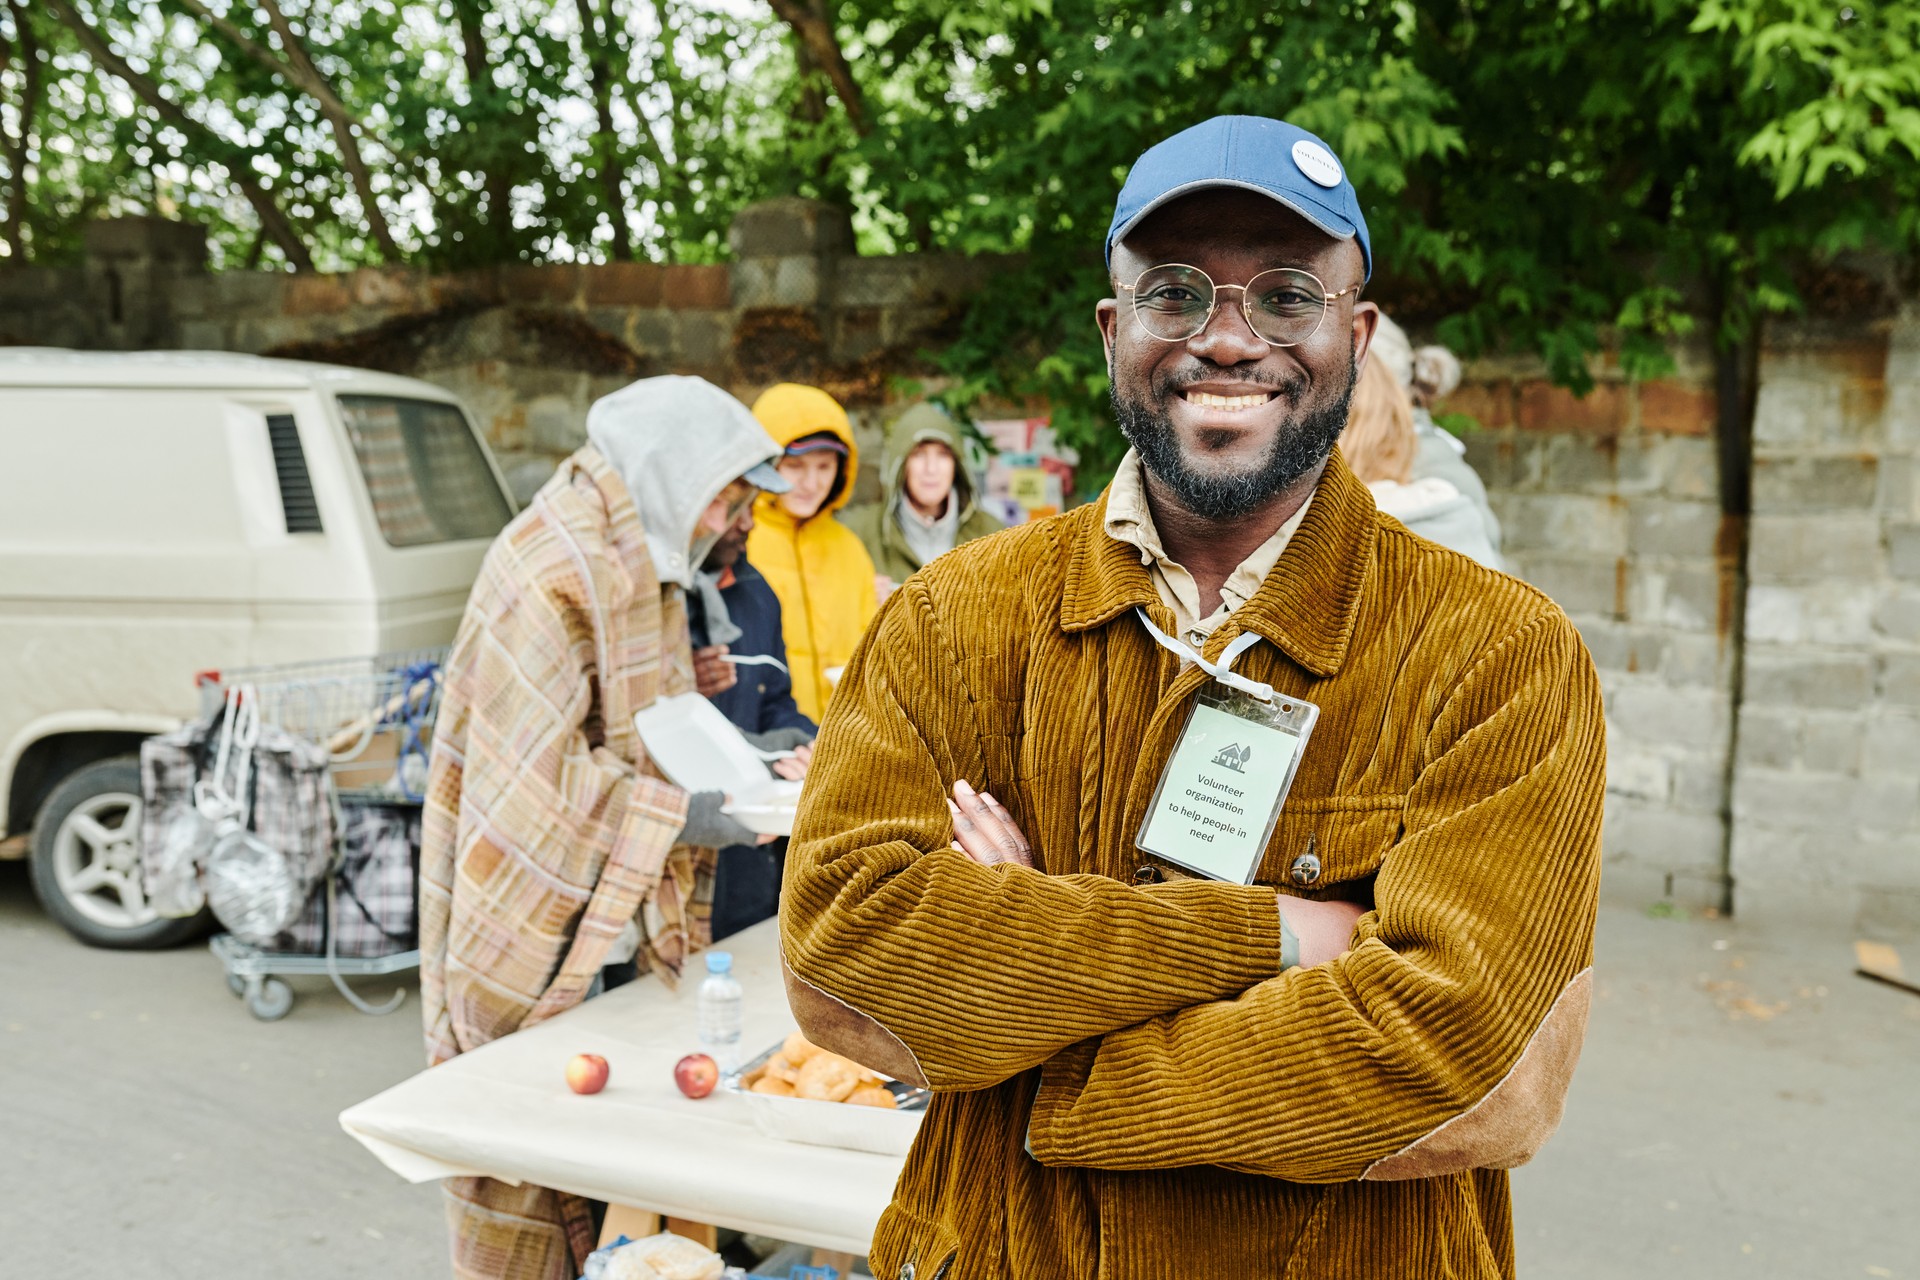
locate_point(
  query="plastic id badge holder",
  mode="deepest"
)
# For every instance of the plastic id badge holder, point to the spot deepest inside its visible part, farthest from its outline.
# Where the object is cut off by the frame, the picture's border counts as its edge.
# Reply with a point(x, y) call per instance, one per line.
point(1220, 795)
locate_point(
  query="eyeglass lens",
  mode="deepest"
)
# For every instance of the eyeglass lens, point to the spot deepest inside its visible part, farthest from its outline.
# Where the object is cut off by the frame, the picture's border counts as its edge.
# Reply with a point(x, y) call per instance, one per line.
point(738, 496)
point(1283, 306)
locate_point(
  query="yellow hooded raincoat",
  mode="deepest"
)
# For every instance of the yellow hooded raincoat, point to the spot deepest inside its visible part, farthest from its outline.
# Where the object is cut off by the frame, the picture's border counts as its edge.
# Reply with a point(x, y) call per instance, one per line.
point(817, 567)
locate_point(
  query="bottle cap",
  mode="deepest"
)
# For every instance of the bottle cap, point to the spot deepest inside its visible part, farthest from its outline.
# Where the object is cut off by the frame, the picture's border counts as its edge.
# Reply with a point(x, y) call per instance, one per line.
point(719, 962)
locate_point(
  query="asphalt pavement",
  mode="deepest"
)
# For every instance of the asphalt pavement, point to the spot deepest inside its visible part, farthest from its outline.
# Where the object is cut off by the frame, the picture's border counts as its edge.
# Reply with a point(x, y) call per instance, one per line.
point(1746, 1107)
point(154, 1129)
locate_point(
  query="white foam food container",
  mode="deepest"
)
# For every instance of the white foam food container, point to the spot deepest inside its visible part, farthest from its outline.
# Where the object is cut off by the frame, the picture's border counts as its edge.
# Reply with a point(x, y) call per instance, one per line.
point(763, 819)
point(701, 750)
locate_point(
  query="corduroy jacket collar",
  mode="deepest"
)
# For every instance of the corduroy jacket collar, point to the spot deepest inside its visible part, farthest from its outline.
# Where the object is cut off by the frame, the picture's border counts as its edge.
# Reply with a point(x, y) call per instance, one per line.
point(1306, 606)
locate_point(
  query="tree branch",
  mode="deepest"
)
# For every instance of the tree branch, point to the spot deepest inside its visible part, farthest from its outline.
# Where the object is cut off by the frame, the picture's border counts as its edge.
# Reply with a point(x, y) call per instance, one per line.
point(299, 71)
point(471, 15)
point(648, 142)
point(235, 157)
point(28, 48)
point(247, 45)
point(343, 125)
point(814, 30)
point(599, 75)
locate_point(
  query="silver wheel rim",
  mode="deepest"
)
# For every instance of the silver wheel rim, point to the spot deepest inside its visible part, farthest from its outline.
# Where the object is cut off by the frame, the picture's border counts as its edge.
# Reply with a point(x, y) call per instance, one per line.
point(96, 861)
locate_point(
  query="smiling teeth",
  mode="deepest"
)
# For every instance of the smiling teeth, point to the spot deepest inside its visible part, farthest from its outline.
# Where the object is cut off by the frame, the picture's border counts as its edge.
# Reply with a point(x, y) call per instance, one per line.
point(1210, 401)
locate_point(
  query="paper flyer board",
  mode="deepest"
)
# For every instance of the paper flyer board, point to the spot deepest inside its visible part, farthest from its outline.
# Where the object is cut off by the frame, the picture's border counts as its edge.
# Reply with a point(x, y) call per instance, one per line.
point(1030, 475)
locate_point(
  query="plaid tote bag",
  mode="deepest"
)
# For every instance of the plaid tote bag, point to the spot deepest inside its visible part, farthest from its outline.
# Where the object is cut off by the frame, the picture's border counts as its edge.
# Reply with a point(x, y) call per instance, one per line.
point(375, 890)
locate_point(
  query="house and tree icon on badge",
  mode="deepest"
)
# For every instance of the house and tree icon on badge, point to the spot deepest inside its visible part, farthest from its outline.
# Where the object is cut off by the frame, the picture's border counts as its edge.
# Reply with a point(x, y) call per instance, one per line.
point(1234, 756)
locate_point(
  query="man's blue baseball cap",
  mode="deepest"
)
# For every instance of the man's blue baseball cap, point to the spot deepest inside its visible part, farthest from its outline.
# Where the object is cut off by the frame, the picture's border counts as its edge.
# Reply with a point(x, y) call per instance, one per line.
point(1272, 157)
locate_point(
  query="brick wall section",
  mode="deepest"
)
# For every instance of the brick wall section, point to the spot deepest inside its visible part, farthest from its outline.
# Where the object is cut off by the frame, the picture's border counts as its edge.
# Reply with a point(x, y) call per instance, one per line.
point(1609, 502)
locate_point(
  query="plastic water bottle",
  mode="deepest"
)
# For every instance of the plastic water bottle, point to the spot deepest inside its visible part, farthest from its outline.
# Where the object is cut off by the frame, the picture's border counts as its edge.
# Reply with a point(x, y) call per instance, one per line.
point(720, 1014)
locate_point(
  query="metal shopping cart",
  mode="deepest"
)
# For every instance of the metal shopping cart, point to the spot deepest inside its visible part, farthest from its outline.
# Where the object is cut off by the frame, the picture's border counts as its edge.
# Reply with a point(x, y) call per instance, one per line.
point(375, 717)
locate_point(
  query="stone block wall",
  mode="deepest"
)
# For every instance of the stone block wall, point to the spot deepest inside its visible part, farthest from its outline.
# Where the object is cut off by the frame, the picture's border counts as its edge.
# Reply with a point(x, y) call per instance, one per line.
point(1609, 502)
point(1826, 800)
point(1610, 505)
point(529, 348)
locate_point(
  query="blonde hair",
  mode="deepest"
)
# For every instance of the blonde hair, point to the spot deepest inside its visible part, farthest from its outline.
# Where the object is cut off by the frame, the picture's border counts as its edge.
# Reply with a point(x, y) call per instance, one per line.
point(1379, 441)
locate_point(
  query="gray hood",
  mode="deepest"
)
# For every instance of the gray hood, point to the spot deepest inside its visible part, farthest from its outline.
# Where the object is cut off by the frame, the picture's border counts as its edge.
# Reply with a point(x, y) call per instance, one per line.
point(677, 442)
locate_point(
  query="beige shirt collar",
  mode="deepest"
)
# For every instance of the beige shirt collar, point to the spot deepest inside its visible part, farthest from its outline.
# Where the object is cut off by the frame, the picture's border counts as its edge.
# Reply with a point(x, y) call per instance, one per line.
point(1130, 521)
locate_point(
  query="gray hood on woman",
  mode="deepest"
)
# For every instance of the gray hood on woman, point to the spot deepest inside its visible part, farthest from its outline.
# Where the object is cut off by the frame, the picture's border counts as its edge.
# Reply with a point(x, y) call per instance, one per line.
point(1439, 512)
point(677, 442)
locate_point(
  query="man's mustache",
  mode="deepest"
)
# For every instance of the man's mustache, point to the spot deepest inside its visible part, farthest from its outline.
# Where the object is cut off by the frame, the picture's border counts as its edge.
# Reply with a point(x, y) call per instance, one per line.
point(1170, 384)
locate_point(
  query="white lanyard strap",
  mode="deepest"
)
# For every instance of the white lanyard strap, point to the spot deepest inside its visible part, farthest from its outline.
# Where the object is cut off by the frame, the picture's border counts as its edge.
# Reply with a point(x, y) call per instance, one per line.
point(1222, 670)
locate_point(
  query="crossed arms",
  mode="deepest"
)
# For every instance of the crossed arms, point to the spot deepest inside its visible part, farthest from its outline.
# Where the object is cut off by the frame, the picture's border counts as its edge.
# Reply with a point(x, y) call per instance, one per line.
point(986, 832)
point(963, 969)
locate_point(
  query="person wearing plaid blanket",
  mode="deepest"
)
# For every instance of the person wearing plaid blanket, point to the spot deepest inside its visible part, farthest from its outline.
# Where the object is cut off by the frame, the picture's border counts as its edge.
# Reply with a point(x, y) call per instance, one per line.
point(551, 845)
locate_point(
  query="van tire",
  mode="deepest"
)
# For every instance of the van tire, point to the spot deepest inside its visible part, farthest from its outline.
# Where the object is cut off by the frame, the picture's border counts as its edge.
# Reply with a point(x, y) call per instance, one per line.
point(101, 800)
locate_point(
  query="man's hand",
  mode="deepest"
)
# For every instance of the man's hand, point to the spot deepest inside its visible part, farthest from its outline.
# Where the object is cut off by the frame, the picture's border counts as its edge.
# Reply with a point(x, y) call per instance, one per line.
point(883, 586)
point(709, 828)
point(795, 742)
point(794, 767)
point(984, 830)
point(712, 673)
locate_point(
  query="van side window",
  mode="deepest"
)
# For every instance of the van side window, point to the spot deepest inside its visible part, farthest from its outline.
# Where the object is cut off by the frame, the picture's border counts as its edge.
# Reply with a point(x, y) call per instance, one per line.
point(426, 474)
point(297, 502)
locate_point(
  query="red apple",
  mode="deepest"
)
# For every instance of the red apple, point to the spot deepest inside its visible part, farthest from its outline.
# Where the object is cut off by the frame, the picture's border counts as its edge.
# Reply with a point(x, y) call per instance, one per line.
point(696, 1074)
point(587, 1073)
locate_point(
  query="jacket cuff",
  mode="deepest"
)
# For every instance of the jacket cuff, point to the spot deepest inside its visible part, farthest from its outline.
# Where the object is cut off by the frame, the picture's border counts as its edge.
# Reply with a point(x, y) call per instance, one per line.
point(1062, 1079)
point(1289, 944)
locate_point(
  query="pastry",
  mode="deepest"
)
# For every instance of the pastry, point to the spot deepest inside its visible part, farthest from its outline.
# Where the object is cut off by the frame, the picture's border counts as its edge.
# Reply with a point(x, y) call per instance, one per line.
point(827, 1077)
point(802, 1069)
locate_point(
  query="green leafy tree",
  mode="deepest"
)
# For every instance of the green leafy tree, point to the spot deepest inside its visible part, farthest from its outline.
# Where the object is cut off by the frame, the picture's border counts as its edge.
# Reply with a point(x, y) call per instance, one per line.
point(22, 100)
point(1546, 178)
point(1011, 132)
point(1550, 178)
point(449, 133)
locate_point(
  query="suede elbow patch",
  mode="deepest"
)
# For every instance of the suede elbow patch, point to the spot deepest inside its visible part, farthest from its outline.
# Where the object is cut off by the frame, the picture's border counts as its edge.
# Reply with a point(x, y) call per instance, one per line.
point(1508, 1126)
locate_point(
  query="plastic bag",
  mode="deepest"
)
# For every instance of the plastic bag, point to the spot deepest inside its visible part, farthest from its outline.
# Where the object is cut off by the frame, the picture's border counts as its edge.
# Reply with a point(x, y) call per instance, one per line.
point(251, 886)
point(177, 823)
point(662, 1257)
point(175, 839)
point(238, 817)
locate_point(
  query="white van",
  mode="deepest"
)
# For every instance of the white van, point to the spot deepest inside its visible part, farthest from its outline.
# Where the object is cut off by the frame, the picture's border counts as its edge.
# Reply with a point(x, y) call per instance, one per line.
point(167, 513)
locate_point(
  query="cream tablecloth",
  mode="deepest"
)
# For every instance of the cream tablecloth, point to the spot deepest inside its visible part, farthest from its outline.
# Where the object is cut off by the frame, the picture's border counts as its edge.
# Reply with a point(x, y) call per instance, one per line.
point(505, 1111)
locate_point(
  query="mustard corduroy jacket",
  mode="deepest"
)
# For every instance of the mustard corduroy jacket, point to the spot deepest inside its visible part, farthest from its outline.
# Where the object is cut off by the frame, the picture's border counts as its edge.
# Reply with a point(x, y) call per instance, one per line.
point(1127, 1086)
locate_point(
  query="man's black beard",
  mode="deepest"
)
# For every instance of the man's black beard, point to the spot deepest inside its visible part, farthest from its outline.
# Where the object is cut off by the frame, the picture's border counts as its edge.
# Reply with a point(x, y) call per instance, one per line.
point(1302, 443)
point(725, 555)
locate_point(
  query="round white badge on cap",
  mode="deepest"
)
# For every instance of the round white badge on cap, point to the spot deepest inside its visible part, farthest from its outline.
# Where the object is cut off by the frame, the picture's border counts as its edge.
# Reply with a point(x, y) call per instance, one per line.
point(1316, 162)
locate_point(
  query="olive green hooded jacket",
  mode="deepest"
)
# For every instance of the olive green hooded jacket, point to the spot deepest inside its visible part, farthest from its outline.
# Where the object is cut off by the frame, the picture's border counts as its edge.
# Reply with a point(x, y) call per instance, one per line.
point(876, 522)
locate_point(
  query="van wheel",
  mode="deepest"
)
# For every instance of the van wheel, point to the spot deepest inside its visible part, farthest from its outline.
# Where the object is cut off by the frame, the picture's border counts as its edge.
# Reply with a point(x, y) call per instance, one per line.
point(86, 861)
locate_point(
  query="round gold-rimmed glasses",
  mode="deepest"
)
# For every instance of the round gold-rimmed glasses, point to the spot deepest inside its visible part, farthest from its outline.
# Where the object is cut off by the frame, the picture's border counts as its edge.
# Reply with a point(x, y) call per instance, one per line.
point(1284, 306)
